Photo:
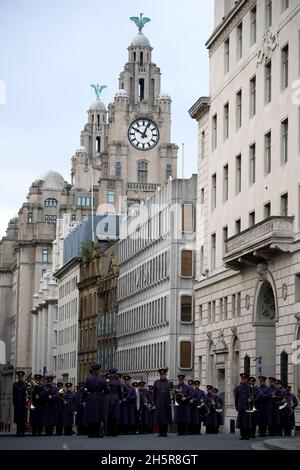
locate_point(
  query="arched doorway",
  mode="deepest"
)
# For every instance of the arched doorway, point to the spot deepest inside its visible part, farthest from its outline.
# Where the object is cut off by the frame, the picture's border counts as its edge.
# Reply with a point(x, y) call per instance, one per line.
point(265, 316)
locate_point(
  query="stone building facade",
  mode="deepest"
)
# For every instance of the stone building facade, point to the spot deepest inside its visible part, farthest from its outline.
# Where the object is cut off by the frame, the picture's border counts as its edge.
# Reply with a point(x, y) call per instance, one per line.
point(155, 321)
point(248, 263)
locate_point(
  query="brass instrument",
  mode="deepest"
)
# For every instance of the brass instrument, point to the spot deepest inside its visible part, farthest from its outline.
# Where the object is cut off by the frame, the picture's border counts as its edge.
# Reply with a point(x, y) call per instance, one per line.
point(275, 398)
point(286, 408)
point(30, 384)
point(202, 407)
point(251, 399)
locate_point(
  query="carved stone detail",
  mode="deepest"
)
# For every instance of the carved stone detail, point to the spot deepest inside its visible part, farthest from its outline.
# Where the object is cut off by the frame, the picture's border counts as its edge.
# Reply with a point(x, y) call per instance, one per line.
point(262, 271)
point(221, 345)
point(269, 43)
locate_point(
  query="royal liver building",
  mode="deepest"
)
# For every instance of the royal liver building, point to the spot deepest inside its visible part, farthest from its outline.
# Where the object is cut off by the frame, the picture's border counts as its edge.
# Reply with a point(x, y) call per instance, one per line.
point(248, 289)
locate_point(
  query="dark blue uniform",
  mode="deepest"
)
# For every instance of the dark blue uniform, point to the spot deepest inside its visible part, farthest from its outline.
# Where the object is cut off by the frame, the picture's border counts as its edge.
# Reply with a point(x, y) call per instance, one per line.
point(211, 420)
point(127, 408)
point(181, 413)
point(162, 403)
point(20, 409)
point(262, 409)
point(36, 415)
point(50, 408)
point(195, 420)
point(287, 413)
point(244, 419)
point(80, 407)
point(94, 404)
point(68, 411)
point(275, 396)
point(113, 396)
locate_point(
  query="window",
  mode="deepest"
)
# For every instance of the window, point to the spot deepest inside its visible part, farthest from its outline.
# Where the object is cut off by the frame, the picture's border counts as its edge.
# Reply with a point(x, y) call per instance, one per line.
point(284, 205)
point(141, 88)
point(238, 169)
point(238, 304)
point(253, 96)
point(213, 251)
point(168, 171)
point(284, 367)
point(111, 197)
point(225, 236)
point(214, 132)
point(252, 162)
point(142, 172)
point(225, 183)
point(251, 218)
point(284, 140)
point(239, 44)
point(284, 5)
point(239, 109)
point(226, 121)
point(233, 305)
point(285, 67)
point(98, 144)
point(83, 201)
point(50, 202)
point(268, 13)
point(238, 226)
point(267, 210)
point(29, 218)
point(45, 256)
point(268, 82)
point(187, 218)
point(185, 355)
point(268, 153)
point(186, 309)
point(253, 32)
point(50, 219)
point(202, 144)
point(213, 191)
point(186, 263)
point(297, 287)
point(226, 56)
point(202, 196)
point(118, 169)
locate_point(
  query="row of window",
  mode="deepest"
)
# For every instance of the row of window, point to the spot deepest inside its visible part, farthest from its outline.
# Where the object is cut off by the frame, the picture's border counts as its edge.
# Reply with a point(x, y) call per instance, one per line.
point(89, 306)
point(106, 357)
point(67, 335)
point(107, 324)
point(66, 361)
point(68, 287)
point(145, 276)
point(145, 317)
point(88, 336)
point(84, 201)
point(215, 314)
point(146, 358)
point(252, 165)
point(67, 311)
point(253, 31)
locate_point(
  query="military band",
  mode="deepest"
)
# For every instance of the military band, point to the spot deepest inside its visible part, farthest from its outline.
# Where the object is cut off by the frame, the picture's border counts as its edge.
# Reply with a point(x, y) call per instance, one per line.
point(111, 404)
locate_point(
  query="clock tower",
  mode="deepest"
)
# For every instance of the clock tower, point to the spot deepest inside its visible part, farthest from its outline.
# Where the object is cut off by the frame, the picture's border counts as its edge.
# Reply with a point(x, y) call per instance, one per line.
point(139, 155)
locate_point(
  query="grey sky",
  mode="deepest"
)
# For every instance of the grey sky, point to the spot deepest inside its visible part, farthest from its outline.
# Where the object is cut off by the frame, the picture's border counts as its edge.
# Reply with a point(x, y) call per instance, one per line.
point(50, 52)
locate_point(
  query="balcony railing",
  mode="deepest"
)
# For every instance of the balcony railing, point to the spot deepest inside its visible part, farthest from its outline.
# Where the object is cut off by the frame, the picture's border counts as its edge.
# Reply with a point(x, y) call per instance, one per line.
point(260, 242)
point(142, 186)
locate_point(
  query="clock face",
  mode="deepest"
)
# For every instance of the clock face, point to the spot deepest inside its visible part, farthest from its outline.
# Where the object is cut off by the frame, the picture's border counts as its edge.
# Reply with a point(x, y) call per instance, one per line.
point(143, 134)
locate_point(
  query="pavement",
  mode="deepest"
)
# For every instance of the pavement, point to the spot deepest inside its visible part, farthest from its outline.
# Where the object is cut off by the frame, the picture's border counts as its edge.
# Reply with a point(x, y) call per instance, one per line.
point(8, 441)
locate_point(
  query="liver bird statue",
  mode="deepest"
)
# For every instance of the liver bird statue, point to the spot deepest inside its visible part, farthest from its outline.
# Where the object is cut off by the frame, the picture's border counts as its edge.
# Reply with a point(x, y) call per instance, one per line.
point(140, 21)
point(98, 89)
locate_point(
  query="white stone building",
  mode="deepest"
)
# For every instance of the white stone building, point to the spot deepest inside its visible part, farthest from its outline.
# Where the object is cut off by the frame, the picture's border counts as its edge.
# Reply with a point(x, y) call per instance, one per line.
point(155, 320)
point(248, 265)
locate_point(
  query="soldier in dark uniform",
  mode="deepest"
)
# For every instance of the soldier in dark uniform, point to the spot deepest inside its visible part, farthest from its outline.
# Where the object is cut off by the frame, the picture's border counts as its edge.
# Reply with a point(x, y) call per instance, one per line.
point(150, 410)
point(113, 396)
point(275, 399)
point(242, 395)
point(94, 404)
point(38, 399)
point(254, 415)
point(50, 406)
point(80, 404)
point(197, 397)
point(162, 402)
point(262, 406)
point(127, 416)
point(19, 401)
point(142, 414)
point(59, 406)
point(288, 413)
point(69, 409)
point(182, 393)
point(219, 408)
point(137, 407)
point(211, 420)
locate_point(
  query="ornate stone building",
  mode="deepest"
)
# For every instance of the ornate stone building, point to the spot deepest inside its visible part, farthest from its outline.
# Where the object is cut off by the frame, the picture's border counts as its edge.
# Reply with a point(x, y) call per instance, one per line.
point(248, 262)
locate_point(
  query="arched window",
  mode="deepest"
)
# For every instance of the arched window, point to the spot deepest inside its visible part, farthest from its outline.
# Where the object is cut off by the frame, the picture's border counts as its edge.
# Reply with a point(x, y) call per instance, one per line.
point(118, 169)
point(142, 172)
point(50, 202)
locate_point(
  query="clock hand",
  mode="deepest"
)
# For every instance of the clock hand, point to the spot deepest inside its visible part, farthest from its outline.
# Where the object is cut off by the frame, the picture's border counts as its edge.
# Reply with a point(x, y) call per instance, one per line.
point(144, 133)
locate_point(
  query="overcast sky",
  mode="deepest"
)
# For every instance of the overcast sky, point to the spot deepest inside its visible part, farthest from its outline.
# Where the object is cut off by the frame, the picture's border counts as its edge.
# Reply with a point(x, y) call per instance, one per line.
point(50, 53)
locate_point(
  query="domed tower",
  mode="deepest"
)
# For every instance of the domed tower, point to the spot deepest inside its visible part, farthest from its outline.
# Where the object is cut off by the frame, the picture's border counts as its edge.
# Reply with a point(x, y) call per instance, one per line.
point(140, 156)
point(93, 144)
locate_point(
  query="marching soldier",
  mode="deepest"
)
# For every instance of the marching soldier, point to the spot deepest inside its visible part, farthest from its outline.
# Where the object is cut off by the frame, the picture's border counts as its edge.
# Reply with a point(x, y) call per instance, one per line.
point(197, 398)
point(38, 400)
point(113, 396)
point(162, 402)
point(182, 393)
point(94, 404)
point(19, 402)
point(60, 406)
point(275, 398)
point(290, 402)
point(242, 395)
point(69, 409)
point(50, 406)
point(262, 406)
point(211, 420)
point(80, 401)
